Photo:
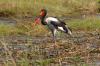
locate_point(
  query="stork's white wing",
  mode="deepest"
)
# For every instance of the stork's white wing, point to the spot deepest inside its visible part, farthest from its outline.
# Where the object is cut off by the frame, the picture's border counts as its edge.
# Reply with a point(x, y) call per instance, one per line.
point(49, 19)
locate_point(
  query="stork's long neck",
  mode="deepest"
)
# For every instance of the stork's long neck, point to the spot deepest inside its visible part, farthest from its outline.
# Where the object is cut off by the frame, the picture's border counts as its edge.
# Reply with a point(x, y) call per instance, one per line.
point(43, 20)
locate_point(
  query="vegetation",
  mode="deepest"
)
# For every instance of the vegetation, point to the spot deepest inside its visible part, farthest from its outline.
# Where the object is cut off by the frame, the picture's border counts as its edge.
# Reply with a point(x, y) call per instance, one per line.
point(28, 28)
point(87, 24)
point(32, 7)
point(33, 51)
point(7, 30)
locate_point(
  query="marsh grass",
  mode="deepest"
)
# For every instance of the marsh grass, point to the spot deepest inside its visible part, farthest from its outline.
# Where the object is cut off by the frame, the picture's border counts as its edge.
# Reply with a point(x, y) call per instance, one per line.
point(28, 27)
point(6, 29)
point(26, 7)
point(22, 8)
point(88, 24)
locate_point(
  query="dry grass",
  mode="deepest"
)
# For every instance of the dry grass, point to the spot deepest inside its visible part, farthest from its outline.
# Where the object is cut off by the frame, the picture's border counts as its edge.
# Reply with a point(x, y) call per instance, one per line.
point(32, 7)
point(81, 7)
point(29, 28)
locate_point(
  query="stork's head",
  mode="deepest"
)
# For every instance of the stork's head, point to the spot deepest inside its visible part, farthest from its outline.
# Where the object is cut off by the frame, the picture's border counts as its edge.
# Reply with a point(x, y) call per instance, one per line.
point(42, 14)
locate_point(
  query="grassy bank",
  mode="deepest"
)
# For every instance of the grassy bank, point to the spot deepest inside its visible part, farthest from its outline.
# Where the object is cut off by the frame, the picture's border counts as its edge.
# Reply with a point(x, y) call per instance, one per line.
point(87, 24)
point(6, 29)
point(22, 8)
point(28, 28)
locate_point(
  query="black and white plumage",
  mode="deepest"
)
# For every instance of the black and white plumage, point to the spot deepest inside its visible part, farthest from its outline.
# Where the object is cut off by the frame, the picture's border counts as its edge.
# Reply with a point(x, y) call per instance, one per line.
point(53, 23)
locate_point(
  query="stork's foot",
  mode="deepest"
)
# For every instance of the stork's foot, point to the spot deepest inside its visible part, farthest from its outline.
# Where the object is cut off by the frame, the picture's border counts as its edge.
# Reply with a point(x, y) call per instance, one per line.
point(55, 45)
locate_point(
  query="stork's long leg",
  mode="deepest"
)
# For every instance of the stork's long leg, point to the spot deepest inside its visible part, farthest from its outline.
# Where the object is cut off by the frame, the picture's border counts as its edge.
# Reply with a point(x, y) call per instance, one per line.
point(54, 34)
point(54, 37)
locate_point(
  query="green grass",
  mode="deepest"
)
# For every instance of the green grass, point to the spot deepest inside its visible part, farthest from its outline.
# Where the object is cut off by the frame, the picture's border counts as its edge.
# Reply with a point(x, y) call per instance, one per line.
point(45, 62)
point(22, 8)
point(6, 30)
point(22, 29)
point(59, 8)
point(27, 7)
point(88, 24)
point(26, 28)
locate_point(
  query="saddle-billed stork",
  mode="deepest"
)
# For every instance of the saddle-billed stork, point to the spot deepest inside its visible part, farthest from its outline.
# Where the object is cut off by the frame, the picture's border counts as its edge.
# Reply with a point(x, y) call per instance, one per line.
point(53, 23)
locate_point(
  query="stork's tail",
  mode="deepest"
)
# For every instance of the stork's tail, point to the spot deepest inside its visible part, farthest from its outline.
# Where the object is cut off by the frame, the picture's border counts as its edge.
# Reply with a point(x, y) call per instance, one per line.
point(68, 30)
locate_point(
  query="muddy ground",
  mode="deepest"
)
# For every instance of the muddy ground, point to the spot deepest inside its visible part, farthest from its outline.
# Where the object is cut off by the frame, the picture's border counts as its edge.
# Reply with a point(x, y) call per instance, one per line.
point(83, 49)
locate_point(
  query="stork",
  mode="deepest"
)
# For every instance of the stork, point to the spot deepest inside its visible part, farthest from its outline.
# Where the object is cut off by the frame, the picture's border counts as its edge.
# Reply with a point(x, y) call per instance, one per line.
point(53, 23)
